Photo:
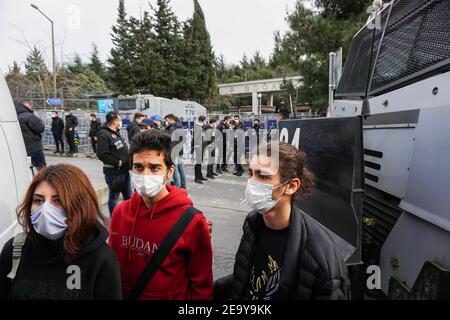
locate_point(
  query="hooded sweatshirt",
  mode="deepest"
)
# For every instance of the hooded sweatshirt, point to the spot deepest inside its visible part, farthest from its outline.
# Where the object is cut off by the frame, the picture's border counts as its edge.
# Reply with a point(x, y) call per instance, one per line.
point(43, 273)
point(136, 232)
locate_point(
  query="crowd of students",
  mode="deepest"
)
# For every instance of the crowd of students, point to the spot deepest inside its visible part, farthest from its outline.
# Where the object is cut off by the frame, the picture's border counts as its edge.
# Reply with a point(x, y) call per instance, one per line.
point(158, 244)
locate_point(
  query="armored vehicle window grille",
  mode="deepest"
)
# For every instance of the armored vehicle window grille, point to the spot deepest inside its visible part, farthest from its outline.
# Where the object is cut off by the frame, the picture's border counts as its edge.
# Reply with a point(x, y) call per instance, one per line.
point(415, 45)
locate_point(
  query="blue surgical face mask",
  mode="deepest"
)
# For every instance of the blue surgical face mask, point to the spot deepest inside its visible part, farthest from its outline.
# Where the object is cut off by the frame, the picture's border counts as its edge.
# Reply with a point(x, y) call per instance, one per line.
point(49, 221)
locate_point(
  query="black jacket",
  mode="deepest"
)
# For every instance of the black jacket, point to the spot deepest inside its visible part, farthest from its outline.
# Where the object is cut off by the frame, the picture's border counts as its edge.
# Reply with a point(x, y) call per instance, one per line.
point(43, 273)
point(133, 128)
point(57, 125)
point(111, 149)
point(171, 129)
point(32, 128)
point(71, 122)
point(312, 268)
point(94, 128)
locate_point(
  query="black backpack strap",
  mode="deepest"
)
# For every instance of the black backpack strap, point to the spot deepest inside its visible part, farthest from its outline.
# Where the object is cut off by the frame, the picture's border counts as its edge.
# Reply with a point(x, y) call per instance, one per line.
point(162, 252)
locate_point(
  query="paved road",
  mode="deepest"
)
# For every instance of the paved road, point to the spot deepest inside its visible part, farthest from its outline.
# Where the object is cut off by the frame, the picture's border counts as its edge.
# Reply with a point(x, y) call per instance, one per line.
point(221, 200)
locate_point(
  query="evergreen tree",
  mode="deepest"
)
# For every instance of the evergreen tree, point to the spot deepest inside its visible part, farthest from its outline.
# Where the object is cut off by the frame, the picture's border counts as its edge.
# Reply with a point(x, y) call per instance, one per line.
point(37, 73)
point(35, 67)
point(310, 38)
point(121, 60)
point(148, 63)
point(14, 70)
point(166, 45)
point(95, 64)
point(77, 66)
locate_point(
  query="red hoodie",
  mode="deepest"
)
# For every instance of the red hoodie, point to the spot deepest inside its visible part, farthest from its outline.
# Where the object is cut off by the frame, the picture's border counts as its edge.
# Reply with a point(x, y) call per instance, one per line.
point(136, 232)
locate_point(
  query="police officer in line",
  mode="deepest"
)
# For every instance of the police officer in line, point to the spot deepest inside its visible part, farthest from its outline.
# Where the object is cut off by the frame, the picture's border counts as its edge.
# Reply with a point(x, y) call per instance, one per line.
point(113, 152)
point(71, 124)
point(94, 128)
point(57, 130)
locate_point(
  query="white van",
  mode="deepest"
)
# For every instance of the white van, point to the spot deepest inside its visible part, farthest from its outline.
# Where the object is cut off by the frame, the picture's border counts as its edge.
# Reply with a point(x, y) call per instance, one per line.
point(15, 175)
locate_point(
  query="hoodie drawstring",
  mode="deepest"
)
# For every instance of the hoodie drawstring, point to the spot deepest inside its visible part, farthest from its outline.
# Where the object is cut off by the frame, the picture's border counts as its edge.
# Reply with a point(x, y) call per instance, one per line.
point(133, 227)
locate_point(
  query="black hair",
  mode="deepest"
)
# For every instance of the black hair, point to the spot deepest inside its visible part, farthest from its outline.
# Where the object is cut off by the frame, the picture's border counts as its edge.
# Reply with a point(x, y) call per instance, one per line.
point(284, 113)
point(173, 117)
point(211, 121)
point(201, 118)
point(138, 115)
point(111, 117)
point(154, 140)
point(54, 111)
point(226, 118)
point(93, 115)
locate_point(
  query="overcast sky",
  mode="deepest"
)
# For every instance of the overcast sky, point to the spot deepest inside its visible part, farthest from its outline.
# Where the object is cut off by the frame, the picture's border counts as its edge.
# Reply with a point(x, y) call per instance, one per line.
point(236, 26)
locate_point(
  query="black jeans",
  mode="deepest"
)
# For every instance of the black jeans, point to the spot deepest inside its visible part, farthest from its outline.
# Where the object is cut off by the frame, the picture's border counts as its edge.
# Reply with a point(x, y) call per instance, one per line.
point(57, 136)
point(198, 171)
point(237, 162)
point(38, 159)
point(209, 170)
point(70, 136)
point(114, 196)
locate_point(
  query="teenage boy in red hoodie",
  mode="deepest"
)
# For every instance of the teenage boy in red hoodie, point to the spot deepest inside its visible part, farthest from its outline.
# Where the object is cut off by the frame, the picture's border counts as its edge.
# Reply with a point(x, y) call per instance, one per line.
point(139, 225)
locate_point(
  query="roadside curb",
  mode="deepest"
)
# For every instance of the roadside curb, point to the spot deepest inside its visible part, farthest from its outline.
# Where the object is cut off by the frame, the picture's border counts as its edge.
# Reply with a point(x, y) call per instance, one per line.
point(75, 155)
point(102, 193)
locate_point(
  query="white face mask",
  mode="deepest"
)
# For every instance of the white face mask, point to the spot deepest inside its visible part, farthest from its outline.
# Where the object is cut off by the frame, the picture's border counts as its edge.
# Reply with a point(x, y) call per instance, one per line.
point(259, 196)
point(119, 125)
point(49, 221)
point(146, 185)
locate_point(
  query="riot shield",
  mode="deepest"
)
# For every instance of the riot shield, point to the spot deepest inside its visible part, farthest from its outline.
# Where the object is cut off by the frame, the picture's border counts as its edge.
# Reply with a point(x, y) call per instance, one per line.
point(334, 149)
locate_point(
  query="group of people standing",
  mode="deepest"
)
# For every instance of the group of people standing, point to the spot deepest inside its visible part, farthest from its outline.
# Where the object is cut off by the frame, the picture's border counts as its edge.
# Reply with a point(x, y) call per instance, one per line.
point(68, 128)
point(217, 163)
point(158, 245)
point(114, 152)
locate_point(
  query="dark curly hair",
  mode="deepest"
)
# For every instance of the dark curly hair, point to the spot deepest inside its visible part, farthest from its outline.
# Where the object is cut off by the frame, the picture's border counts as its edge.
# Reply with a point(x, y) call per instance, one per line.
point(292, 165)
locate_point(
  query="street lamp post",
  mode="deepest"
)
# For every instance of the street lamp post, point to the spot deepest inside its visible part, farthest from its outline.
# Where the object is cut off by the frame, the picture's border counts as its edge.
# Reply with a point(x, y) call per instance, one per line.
point(53, 48)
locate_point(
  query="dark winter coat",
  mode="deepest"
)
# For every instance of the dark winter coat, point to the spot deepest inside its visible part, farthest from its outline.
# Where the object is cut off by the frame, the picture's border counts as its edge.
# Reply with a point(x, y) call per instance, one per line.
point(43, 272)
point(94, 128)
point(32, 128)
point(171, 129)
point(313, 268)
point(111, 149)
point(57, 125)
point(133, 128)
point(71, 122)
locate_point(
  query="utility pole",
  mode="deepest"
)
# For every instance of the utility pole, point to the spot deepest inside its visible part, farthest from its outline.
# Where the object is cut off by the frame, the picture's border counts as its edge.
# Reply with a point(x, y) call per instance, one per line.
point(53, 48)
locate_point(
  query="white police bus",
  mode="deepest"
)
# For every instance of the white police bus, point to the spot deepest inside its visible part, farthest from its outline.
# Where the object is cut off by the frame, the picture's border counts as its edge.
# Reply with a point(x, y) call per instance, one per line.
point(14, 165)
point(151, 105)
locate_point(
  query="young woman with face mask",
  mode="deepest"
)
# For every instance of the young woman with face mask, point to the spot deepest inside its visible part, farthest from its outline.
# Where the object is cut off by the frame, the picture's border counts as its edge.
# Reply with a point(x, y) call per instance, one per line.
point(284, 253)
point(65, 254)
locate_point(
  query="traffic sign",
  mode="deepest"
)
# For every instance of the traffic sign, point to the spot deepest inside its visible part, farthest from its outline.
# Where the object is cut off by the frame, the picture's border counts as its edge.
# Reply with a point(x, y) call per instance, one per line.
point(54, 101)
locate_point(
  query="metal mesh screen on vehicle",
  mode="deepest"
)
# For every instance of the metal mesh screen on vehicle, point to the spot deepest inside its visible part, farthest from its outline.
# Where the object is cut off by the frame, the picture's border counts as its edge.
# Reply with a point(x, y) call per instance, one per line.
point(416, 43)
